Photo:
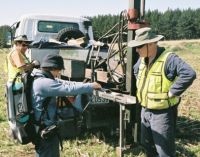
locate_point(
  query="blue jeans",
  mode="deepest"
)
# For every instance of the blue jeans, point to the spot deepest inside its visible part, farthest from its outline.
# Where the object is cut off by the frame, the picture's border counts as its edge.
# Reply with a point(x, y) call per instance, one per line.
point(158, 131)
point(48, 148)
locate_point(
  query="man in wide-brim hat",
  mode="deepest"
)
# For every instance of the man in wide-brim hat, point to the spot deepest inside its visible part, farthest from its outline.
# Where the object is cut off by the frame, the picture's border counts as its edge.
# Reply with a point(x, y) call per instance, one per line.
point(16, 59)
point(161, 79)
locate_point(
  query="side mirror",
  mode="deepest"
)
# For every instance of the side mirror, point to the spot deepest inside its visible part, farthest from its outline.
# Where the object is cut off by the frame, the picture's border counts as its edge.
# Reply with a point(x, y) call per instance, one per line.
point(87, 24)
point(8, 39)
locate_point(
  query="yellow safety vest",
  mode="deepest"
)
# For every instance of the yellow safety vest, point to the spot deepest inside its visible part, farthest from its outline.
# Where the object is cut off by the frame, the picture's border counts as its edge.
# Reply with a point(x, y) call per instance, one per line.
point(153, 86)
point(13, 70)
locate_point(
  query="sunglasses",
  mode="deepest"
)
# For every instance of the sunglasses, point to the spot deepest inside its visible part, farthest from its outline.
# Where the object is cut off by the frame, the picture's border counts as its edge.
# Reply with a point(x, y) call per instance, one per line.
point(25, 45)
point(139, 47)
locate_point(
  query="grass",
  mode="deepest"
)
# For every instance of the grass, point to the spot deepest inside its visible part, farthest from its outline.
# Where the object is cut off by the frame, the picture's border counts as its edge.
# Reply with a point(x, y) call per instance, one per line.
point(96, 144)
point(188, 125)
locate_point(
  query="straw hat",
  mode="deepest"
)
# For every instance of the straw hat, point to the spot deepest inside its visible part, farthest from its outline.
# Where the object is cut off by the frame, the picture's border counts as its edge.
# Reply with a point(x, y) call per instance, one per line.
point(144, 36)
point(22, 38)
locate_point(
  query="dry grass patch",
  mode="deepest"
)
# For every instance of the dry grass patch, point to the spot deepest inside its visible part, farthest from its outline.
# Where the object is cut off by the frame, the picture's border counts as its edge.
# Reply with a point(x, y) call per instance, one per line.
point(96, 145)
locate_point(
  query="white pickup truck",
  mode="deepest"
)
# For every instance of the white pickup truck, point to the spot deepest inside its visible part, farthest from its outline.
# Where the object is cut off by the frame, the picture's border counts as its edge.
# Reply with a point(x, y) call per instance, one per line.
point(52, 34)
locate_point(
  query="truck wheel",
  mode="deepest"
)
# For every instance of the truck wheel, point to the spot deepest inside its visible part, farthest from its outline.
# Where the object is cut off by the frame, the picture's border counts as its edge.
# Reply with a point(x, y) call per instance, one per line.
point(65, 34)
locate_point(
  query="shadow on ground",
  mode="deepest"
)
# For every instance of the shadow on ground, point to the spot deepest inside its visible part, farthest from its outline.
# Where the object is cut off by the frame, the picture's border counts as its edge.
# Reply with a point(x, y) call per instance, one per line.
point(187, 135)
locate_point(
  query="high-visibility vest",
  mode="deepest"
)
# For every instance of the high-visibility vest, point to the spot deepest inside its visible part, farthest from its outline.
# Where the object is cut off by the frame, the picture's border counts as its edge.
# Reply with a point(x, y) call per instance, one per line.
point(153, 86)
point(12, 69)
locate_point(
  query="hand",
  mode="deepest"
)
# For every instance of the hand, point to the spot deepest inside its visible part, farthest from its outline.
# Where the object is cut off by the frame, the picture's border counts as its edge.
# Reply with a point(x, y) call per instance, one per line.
point(96, 85)
point(35, 63)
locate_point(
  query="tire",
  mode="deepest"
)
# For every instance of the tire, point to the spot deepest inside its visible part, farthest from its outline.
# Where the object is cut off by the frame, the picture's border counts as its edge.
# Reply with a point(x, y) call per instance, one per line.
point(65, 34)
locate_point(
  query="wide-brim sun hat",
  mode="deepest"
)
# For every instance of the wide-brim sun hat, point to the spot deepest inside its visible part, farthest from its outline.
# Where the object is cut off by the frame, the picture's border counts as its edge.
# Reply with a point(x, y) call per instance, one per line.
point(22, 38)
point(144, 36)
point(53, 61)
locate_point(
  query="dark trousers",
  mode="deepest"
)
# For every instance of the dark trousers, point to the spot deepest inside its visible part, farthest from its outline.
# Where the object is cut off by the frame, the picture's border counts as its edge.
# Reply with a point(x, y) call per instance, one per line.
point(48, 147)
point(158, 131)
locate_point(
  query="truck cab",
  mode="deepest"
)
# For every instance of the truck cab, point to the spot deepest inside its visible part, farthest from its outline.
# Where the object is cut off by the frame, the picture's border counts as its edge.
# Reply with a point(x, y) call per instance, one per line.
point(43, 27)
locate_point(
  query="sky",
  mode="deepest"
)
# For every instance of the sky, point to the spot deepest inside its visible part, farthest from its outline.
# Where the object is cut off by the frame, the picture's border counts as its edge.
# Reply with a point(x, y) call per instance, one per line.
point(11, 10)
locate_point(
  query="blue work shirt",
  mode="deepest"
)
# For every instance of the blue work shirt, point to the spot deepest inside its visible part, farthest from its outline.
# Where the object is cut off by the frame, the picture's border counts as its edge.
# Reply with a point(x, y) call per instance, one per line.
point(44, 87)
point(174, 67)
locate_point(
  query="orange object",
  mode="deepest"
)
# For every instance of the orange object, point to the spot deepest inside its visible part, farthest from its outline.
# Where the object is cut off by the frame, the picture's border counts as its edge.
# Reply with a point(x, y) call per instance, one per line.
point(71, 99)
point(132, 14)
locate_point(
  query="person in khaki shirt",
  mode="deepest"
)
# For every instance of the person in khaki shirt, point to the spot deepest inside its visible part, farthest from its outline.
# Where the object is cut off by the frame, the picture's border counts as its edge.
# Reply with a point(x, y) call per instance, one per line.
point(17, 60)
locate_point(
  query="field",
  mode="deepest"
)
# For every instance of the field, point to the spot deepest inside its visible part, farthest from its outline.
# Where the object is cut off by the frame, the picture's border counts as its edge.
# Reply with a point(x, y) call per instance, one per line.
point(96, 144)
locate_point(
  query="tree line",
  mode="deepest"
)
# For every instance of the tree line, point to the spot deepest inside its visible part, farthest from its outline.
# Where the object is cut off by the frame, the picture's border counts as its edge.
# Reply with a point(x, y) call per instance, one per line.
point(173, 24)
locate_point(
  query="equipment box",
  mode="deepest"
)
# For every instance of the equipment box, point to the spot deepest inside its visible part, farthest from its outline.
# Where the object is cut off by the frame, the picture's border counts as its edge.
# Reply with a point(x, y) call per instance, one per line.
point(74, 68)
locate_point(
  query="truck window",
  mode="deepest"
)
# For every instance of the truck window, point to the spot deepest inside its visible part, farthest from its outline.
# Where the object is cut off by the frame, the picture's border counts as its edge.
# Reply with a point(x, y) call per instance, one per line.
point(55, 27)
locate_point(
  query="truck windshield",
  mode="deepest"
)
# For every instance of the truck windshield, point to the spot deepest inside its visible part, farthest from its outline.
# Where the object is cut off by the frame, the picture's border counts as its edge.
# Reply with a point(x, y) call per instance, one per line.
point(55, 27)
